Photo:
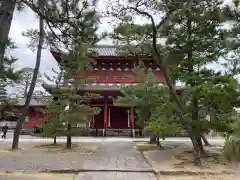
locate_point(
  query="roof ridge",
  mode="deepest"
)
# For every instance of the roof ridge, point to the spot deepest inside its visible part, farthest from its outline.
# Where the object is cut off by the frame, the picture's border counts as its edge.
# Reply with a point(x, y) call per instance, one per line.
point(105, 46)
point(99, 50)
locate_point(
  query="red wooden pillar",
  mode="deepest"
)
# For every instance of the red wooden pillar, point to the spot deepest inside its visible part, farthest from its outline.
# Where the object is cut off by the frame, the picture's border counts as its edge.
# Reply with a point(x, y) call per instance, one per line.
point(105, 117)
point(93, 122)
point(132, 121)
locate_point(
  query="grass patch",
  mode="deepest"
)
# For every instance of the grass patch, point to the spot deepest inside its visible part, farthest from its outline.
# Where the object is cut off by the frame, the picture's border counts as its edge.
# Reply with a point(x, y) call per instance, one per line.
point(146, 146)
point(3, 150)
point(83, 148)
point(38, 176)
point(211, 160)
point(178, 158)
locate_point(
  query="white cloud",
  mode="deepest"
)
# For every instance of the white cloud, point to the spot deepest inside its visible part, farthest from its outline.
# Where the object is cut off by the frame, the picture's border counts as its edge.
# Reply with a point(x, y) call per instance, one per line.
point(22, 21)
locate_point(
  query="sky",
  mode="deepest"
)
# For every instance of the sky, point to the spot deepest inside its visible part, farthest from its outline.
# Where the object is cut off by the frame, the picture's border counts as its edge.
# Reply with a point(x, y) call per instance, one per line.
point(27, 58)
point(22, 21)
point(26, 19)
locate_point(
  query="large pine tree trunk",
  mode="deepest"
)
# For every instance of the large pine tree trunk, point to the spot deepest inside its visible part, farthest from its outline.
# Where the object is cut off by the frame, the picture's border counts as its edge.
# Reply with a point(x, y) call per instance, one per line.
point(206, 142)
point(153, 139)
point(200, 144)
point(6, 15)
point(195, 111)
point(69, 137)
point(196, 151)
point(26, 88)
point(158, 142)
point(55, 140)
point(33, 82)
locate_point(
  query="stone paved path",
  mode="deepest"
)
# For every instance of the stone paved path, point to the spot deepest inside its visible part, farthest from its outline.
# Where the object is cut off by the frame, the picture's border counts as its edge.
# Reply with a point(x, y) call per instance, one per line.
point(116, 176)
point(117, 160)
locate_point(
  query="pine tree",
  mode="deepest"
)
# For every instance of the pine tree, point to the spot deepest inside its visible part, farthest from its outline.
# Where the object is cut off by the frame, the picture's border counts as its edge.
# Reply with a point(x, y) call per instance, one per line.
point(7, 73)
point(195, 40)
point(228, 117)
point(72, 19)
point(200, 41)
point(55, 125)
point(23, 84)
point(41, 5)
point(77, 67)
point(152, 104)
point(78, 36)
point(6, 9)
point(69, 106)
point(9, 77)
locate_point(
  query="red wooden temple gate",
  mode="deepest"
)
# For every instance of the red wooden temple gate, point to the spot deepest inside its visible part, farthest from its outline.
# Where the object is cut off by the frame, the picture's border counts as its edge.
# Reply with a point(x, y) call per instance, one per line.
point(111, 72)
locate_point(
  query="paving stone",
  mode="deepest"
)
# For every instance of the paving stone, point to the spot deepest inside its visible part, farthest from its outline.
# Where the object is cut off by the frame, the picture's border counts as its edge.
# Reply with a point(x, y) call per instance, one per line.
point(117, 156)
point(121, 175)
point(39, 161)
point(14, 178)
point(116, 176)
point(121, 157)
point(110, 175)
point(112, 155)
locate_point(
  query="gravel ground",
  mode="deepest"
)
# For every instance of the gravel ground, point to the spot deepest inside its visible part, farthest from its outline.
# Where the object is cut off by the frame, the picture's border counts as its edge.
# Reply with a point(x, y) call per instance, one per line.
point(202, 177)
point(36, 176)
point(39, 161)
point(35, 161)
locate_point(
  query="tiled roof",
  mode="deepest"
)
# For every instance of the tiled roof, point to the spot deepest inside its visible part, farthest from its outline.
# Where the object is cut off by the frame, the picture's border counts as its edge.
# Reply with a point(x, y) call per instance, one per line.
point(35, 101)
point(100, 50)
point(103, 50)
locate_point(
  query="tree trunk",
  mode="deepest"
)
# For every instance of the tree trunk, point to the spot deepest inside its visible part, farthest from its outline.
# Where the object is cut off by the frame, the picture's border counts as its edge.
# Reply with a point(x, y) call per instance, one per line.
point(196, 151)
point(6, 15)
point(26, 88)
point(55, 140)
point(33, 82)
point(196, 118)
point(200, 144)
point(158, 142)
point(69, 137)
point(206, 142)
point(153, 139)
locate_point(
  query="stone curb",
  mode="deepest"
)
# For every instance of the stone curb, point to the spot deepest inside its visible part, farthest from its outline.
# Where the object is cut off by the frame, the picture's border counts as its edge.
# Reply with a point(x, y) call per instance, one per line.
point(76, 171)
point(156, 172)
point(96, 170)
point(186, 172)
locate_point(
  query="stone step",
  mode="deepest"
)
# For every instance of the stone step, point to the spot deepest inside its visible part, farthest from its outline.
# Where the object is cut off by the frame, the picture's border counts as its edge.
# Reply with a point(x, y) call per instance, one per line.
point(119, 132)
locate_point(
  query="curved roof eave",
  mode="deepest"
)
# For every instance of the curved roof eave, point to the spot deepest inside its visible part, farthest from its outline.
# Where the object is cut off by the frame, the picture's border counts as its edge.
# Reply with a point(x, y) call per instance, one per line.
point(102, 86)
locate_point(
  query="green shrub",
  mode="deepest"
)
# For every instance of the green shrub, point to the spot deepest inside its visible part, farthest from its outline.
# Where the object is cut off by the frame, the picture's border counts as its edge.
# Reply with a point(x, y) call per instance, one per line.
point(231, 149)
